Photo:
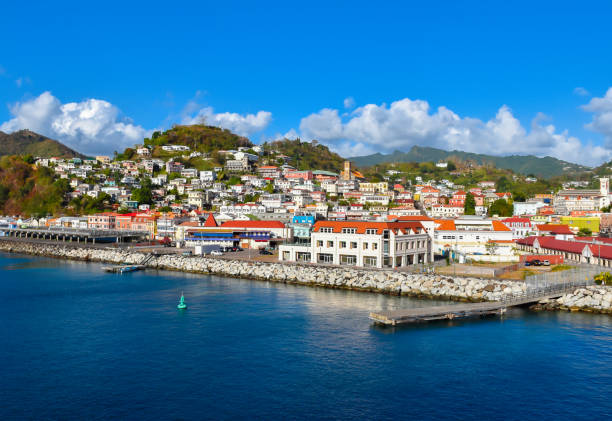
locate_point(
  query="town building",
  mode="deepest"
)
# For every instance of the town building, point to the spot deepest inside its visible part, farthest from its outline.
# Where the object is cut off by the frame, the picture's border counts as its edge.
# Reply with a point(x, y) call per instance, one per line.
point(364, 244)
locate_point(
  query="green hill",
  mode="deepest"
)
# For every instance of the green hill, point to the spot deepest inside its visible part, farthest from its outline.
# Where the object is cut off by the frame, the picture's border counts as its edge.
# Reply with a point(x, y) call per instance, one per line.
point(29, 191)
point(523, 164)
point(199, 138)
point(306, 155)
point(26, 142)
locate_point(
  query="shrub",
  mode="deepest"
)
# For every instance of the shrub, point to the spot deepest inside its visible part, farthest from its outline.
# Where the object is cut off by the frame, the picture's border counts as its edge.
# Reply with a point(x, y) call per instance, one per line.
point(604, 278)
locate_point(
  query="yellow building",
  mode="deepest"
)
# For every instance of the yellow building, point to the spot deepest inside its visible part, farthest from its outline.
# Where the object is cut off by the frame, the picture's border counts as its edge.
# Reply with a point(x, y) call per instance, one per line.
point(579, 222)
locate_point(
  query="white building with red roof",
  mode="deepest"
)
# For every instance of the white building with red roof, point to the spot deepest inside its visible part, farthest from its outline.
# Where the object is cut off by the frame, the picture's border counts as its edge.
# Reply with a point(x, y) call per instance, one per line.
point(470, 235)
point(391, 244)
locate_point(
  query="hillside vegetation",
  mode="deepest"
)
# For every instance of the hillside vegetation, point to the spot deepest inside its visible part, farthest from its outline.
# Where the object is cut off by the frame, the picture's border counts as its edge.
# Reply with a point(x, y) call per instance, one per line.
point(199, 138)
point(522, 164)
point(306, 155)
point(29, 191)
point(26, 142)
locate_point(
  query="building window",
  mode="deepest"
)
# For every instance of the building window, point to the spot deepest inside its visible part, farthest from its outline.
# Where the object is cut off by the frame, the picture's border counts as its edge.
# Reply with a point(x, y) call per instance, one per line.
point(371, 231)
point(374, 246)
point(330, 244)
point(342, 244)
point(353, 245)
point(346, 259)
point(325, 258)
point(365, 246)
point(369, 261)
point(326, 229)
point(319, 243)
point(349, 230)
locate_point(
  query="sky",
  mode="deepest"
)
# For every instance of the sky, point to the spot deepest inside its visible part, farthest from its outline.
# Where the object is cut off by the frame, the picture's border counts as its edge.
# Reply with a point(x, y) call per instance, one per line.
point(502, 78)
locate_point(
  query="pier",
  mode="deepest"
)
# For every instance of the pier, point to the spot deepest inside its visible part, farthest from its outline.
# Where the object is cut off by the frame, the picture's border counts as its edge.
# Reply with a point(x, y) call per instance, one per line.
point(76, 235)
point(123, 268)
point(457, 311)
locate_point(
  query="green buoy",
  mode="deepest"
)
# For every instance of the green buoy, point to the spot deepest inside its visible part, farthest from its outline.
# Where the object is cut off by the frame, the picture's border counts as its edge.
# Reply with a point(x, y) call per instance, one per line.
point(181, 305)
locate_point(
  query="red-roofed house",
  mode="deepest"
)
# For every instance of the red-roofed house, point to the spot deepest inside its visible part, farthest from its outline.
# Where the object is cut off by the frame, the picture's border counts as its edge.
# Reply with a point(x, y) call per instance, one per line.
point(521, 227)
point(458, 199)
point(576, 251)
point(559, 231)
point(466, 236)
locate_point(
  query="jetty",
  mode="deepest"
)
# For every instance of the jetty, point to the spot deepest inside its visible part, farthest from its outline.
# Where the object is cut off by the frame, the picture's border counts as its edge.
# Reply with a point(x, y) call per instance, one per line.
point(457, 311)
point(123, 268)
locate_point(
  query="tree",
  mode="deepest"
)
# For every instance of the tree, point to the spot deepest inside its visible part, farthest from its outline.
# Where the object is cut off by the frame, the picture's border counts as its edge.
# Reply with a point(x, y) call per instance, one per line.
point(143, 195)
point(469, 206)
point(503, 184)
point(519, 196)
point(584, 232)
point(501, 208)
point(491, 247)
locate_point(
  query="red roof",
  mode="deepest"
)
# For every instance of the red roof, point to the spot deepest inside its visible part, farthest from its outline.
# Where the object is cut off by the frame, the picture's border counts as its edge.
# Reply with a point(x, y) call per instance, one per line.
point(361, 226)
point(211, 221)
point(410, 218)
point(253, 224)
point(516, 219)
point(554, 228)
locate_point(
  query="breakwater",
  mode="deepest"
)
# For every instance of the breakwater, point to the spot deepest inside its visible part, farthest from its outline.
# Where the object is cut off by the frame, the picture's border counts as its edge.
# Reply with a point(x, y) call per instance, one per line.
point(595, 299)
point(381, 281)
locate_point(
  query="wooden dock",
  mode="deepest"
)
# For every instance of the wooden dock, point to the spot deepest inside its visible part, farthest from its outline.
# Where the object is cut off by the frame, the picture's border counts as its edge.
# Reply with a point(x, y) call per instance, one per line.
point(457, 311)
point(123, 268)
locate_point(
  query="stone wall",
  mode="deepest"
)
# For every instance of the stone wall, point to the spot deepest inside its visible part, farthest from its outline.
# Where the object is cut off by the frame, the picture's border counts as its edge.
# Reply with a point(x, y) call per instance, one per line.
point(382, 281)
point(596, 299)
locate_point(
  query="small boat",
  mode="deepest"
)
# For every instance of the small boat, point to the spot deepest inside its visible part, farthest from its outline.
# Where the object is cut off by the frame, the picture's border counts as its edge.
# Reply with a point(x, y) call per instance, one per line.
point(181, 305)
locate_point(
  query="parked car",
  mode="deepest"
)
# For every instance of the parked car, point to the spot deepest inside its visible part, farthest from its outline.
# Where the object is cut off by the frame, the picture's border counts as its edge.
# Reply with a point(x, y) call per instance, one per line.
point(546, 262)
point(265, 252)
point(186, 253)
point(216, 253)
point(527, 263)
point(536, 262)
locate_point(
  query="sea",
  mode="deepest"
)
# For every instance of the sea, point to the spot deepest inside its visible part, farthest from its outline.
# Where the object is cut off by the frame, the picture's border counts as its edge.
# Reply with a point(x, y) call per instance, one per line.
point(77, 343)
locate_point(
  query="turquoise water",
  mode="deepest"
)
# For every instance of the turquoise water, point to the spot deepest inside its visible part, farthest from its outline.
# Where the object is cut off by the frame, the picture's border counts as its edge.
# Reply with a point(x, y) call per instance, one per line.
point(78, 343)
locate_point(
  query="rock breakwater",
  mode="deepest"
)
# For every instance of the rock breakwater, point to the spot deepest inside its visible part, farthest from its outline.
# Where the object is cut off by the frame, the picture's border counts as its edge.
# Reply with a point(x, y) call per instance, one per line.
point(595, 299)
point(381, 281)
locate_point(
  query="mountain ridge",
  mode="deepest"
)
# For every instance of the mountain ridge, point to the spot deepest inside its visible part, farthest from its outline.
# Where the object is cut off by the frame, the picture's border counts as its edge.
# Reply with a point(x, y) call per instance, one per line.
point(27, 142)
point(523, 164)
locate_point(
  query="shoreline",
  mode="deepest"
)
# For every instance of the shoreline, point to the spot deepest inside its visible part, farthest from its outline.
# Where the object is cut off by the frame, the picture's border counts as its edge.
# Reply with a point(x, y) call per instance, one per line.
point(418, 285)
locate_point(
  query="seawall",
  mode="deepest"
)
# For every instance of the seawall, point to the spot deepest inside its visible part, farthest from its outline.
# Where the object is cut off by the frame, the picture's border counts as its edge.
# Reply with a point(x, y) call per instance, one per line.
point(380, 281)
point(593, 299)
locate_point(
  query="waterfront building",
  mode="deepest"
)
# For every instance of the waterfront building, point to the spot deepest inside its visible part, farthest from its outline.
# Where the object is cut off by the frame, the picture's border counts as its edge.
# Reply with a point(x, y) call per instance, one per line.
point(361, 243)
point(469, 235)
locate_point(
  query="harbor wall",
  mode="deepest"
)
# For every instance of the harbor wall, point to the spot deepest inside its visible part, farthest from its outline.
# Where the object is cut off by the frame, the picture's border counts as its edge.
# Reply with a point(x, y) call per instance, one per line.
point(372, 280)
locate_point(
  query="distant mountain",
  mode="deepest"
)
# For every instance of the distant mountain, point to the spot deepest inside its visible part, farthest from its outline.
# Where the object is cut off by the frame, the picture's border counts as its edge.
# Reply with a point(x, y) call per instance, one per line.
point(523, 164)
point(26, 142)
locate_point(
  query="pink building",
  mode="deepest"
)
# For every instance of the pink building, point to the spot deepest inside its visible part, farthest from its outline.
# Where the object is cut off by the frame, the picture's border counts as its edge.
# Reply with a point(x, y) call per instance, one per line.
point(102, 221)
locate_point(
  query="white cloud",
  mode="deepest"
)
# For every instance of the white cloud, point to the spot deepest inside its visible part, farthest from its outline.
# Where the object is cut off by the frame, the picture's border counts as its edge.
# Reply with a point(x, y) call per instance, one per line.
point(244, 125)
point(405, 123)
point(349, 102)
point(90, 126)
point(580, 91)
point(602, 116)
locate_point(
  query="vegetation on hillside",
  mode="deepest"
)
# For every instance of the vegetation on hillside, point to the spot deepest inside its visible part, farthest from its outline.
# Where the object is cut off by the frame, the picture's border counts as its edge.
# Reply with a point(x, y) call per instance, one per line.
point(26, 142)
point(461, 174)
point(29, 191)
point(522, 164)
point(197, 137)
point(305, 155)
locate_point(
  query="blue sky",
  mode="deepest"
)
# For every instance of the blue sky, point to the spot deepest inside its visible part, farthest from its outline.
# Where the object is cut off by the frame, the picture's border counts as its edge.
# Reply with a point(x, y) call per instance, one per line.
point(99, 76)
